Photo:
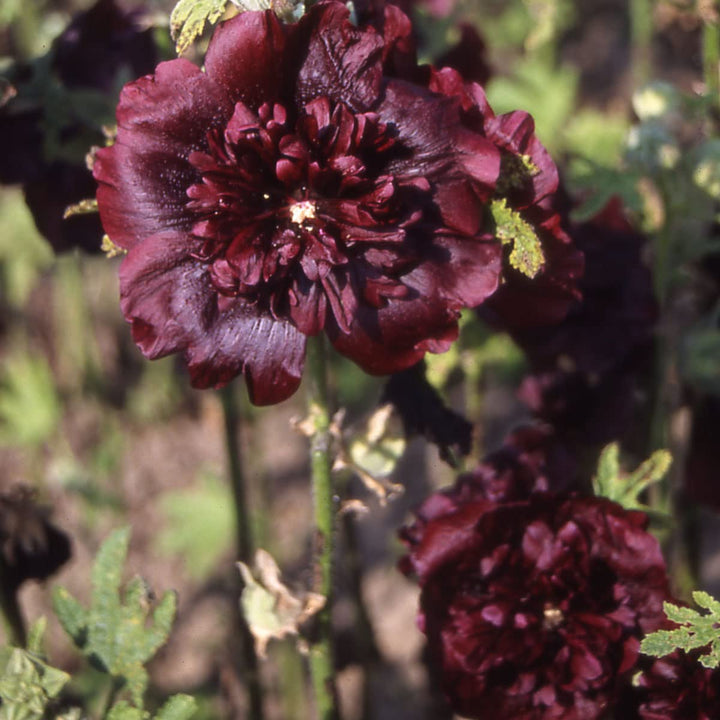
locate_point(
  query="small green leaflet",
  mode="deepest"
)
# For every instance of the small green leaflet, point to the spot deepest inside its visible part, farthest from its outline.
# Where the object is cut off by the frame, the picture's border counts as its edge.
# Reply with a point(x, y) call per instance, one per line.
point(188, 19)
point(696, 630)
point(625, 488)
point(526, 255)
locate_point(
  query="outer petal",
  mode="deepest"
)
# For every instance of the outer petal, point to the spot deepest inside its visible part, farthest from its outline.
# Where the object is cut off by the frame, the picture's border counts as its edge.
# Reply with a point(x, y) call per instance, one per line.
point(270, 353)
point(246, 56)
point(516, 132)
point(165, 295)
point(144, 176)
point(339, 60)
point(430, 127)
point(462, 271)
point(396, 336)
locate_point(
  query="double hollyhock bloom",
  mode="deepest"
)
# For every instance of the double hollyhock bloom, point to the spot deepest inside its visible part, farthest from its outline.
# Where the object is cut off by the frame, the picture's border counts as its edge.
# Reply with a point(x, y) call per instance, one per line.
point(533, 603)
point(310, 179)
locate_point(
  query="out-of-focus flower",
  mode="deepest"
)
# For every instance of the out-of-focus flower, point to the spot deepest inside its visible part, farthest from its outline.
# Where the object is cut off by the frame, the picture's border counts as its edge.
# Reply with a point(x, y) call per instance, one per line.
point(588, 373)
point(46, 130)
point(617, 312)
point(31, 547)
point(676, 687)
point(293, 188)
point(534, 609)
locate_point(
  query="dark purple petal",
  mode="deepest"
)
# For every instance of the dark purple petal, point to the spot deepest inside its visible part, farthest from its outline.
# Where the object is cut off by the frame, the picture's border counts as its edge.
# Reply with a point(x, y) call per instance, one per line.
point(246, 58)
point(164, 295)
point(341, 62)
point(143, 178)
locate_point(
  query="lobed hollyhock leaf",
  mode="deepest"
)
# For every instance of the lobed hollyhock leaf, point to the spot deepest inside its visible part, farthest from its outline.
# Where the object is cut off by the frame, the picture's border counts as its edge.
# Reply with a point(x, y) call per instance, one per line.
point(697, 630)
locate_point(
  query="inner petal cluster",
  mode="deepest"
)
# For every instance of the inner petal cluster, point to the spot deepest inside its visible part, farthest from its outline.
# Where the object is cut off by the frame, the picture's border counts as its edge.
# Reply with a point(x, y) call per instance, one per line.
point(299, 218)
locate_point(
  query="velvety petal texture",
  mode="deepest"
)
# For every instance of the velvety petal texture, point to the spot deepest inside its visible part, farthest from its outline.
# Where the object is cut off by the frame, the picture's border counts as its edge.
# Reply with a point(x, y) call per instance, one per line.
point(296, 186)
point(533, 602)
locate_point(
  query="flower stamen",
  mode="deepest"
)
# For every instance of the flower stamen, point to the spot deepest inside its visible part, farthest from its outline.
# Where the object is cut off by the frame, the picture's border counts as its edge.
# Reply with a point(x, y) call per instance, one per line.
point(302, 211)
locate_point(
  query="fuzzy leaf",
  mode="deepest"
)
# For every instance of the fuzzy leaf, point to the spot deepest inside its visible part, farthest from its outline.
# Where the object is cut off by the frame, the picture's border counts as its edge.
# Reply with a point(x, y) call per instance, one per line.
point(115, 634)
point(696, 630)
point(526, 255)
point(36, 635)
point(188, 19)
point(72, 615)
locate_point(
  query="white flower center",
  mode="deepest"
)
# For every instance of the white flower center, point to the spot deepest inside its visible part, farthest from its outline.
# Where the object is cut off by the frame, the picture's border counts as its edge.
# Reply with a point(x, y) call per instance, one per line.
point(302, 211)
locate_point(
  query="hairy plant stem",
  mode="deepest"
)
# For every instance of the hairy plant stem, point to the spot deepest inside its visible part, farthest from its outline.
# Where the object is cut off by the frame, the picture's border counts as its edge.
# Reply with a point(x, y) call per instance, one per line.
point(321, 655)
point(244, 542)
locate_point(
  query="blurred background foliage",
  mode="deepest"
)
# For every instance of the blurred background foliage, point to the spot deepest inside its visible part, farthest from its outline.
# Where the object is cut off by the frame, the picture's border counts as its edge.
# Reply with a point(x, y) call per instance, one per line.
point(105, 438)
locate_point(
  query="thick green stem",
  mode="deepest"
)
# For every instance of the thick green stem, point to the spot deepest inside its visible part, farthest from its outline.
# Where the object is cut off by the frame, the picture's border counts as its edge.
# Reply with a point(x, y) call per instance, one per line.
point(321, 656)
point(249, 667)
point(641, 23)
point(711, 57)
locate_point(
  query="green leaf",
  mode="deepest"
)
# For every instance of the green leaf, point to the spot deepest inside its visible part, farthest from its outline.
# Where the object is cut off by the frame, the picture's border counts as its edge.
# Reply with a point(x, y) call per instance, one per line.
point(625, 488)
point(188, 18)
point(36, 635)
point(124, 711)
point(115, 634)
point(27, 683)
point(696, 630)
point(72, 615)
point(178, 707)
point(526, 255)
point(608, 469)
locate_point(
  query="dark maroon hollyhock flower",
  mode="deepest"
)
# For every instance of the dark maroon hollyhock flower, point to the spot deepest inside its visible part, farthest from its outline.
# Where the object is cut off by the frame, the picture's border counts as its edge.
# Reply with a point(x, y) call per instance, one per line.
point(292, 188)
point(31, 547)
point(528, 182)
point(423, 412)
point(534, 609)
point(96, 52)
